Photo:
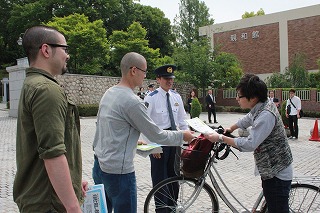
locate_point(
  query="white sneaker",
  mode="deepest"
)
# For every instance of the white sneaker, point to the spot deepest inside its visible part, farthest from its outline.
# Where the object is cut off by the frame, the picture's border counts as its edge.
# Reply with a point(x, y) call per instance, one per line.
point(290, 137)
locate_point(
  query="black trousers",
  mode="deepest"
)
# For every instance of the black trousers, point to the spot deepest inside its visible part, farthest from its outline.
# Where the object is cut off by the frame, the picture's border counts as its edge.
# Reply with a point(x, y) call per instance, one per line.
point(212, 111)
point(293, 125)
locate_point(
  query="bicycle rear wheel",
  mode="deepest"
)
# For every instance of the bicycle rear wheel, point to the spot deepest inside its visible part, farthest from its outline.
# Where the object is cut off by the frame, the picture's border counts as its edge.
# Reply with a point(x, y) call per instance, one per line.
point(302, 198)
point(169, 200)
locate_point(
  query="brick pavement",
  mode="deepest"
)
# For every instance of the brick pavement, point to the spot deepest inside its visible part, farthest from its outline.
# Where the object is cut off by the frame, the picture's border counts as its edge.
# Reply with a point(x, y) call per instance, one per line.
point(238, 174)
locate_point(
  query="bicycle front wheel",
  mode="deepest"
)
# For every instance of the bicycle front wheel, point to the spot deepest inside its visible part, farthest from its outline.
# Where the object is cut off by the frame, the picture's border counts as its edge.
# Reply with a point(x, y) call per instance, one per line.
point(179, 194)
point(304, 198)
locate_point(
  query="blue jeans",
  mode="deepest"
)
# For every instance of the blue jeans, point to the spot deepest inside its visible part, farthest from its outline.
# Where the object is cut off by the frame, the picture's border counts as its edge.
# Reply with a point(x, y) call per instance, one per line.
point(276, 193)
point(120, 189)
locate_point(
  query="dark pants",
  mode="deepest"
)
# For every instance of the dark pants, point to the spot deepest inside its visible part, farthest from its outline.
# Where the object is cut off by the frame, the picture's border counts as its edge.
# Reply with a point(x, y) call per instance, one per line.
point(276, 193)
point(212, 111)
point(293, 125)
point(161, 169)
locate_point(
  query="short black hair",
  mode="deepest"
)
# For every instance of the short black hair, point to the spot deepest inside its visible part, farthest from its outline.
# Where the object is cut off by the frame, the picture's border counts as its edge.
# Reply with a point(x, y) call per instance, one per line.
point(35, 36)
point(252, 86)
point(292, 90)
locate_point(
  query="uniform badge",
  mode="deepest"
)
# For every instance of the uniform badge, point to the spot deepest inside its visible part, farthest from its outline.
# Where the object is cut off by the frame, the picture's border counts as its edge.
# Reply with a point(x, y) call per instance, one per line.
point(169, 70)
point(176, 104)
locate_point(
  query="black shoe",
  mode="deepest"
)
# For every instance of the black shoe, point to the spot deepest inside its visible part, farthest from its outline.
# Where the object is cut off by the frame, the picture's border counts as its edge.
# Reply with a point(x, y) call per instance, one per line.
point(216, 122)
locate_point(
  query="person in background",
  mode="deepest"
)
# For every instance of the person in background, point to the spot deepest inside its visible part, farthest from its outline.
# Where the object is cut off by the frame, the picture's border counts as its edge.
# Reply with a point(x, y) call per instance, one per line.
point(163, 164)
point(273, 99)
point(267, 141)
point(150, 89)
point(211, 101)
point(295, 106)
point(48, 145)
point(141, 93)
point(119, 124)
point(192, 95)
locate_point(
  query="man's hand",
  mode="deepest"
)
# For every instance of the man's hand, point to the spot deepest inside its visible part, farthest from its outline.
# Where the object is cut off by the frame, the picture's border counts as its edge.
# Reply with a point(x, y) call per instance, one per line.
point(141, 142)
point(156, 155)
point(84, 188)
point(213, 137)
point(188, 135)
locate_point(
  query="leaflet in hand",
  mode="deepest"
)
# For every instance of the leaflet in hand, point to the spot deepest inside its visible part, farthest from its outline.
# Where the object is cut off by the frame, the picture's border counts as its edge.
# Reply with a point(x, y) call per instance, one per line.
point(95, 201)
point(199, 126)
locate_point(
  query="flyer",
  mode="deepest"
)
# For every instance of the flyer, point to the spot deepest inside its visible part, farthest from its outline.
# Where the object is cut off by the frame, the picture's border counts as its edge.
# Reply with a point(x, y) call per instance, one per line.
point(95, 201)
point(199, 126)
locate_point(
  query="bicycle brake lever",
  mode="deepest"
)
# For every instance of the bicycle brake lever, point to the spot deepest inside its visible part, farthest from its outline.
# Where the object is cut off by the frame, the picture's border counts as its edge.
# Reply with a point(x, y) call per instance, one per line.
point(234, 154)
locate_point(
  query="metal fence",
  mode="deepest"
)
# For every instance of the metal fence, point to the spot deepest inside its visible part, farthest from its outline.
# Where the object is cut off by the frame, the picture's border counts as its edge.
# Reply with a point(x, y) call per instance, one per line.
point(229, 93)
point(304, 95)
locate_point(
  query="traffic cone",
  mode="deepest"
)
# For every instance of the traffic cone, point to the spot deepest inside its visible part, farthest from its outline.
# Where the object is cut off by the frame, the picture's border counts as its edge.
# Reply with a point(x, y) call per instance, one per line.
point(315, 134)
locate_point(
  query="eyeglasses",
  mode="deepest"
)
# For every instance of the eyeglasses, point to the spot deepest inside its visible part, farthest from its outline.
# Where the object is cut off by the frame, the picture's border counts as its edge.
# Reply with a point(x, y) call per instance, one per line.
point(240, 96)
point(57, 45)
point(145, 71)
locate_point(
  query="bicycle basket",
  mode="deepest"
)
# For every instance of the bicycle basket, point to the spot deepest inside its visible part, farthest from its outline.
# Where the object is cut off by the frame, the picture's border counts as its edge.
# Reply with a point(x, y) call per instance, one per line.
point(195, 157)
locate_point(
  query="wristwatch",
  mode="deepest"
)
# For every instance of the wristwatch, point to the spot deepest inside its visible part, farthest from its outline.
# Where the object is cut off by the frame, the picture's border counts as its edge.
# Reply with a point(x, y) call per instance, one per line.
point(220, 138)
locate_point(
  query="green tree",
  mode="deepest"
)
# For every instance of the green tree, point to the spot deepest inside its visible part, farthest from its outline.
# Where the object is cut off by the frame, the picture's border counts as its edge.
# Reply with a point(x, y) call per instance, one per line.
point(158, 28)
point(252, 14)
point(192, 15)
point(297, 72)
point(195, 64)
point(196, 108)
point(295, 75)
point(87, 40)
point(133, 39)
point(227, 70)
point(277, 80)
point(192, 53)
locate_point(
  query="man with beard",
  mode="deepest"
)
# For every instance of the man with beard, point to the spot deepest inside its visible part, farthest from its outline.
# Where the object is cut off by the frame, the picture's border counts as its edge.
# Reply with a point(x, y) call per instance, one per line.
point(48, 146)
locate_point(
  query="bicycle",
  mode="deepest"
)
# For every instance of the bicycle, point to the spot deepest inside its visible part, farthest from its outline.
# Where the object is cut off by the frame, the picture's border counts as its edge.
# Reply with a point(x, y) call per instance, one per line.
point(196, 195)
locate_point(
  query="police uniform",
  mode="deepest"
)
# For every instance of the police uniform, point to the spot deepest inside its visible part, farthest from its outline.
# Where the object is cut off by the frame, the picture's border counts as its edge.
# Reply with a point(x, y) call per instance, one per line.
point(157, 109)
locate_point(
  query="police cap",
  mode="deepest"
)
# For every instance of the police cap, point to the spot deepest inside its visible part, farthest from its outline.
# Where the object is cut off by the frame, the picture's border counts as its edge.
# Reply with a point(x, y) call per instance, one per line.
point(166, 71)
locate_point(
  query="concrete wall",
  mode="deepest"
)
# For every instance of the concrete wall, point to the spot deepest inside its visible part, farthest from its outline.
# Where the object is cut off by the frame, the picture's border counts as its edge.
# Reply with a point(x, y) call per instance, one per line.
point(16, 78)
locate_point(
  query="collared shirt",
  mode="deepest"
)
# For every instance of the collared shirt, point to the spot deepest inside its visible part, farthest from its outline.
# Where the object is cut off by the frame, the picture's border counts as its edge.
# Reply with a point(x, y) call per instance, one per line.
point(48, 126)
point(156, 103)
point(297, 102)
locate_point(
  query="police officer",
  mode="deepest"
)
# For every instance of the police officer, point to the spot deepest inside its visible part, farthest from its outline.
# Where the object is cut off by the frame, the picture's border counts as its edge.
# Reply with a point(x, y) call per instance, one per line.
point(163, 165)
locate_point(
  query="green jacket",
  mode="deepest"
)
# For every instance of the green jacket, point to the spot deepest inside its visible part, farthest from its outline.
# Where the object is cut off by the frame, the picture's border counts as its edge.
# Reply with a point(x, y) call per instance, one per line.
point(48, 126)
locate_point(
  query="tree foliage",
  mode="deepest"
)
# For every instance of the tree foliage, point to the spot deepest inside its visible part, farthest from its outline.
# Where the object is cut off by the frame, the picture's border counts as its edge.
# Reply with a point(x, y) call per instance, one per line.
point(18, 15)
point(227, 70)
point(192, 15)
point(88, 45)
point(134, 40)
point(158, 27)
point(195, 64)
point(296, 75)
point(196, 108)
point(252, 14)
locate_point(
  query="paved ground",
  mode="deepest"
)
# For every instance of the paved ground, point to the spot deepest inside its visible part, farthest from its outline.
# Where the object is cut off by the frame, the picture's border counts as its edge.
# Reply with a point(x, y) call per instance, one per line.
point(238, 174)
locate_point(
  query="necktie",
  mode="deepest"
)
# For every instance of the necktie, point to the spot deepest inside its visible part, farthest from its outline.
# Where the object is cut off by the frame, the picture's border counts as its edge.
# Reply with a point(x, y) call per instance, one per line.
point(173, 125)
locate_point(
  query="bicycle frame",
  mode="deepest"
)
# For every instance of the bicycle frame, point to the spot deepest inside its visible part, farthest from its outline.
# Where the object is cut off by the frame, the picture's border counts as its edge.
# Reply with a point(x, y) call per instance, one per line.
point(218, 190)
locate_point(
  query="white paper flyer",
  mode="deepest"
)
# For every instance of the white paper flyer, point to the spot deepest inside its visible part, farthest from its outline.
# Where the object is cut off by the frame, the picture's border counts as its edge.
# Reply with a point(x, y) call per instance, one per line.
point(199, 126)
